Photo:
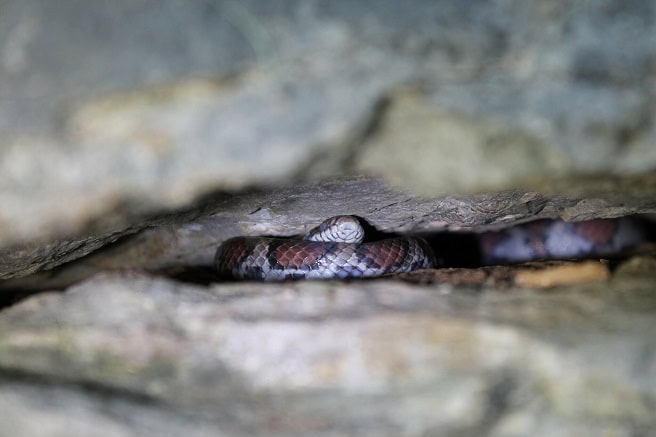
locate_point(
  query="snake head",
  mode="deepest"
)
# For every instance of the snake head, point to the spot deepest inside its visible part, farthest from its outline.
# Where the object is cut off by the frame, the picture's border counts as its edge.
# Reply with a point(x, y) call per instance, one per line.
point(339, 229)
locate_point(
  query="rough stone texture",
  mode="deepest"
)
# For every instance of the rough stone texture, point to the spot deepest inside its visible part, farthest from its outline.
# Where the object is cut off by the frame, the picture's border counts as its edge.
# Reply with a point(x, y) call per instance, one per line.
point(135, 107)
point(439, 147)
point(254, 359)
point(136, 136)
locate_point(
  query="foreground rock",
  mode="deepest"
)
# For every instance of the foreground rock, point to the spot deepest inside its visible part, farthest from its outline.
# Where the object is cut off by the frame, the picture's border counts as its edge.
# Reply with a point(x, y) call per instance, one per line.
point(366, 358)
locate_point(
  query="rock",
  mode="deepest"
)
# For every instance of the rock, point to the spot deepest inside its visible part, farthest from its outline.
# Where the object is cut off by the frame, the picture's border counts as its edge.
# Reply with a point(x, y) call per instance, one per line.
point(443, 150)
point(138, 136)
point(250, 96)
point(141, 142)
point(638, 266)
point(262, 359)
point(563, 273)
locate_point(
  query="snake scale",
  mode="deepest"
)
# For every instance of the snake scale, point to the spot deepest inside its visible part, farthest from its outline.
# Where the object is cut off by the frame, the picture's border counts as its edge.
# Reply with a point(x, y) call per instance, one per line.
point(336, 249)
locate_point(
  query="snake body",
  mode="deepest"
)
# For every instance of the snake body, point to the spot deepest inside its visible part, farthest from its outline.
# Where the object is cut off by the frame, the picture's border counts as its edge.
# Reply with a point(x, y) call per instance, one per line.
point(557, 239)
point(333, 249)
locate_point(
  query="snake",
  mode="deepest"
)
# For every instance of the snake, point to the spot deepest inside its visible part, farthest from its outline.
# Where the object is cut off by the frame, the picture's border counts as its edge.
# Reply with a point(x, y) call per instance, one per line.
point(559, 239)
point(335, 249)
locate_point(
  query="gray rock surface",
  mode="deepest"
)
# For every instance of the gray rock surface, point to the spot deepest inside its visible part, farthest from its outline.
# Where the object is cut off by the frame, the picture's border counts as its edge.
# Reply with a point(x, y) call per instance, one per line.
point(130, 109)
point(169, 358)
point(135, 137)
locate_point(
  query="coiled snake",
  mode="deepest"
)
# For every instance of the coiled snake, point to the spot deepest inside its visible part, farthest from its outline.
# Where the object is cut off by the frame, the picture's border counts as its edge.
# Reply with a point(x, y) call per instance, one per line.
point(334, 249)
